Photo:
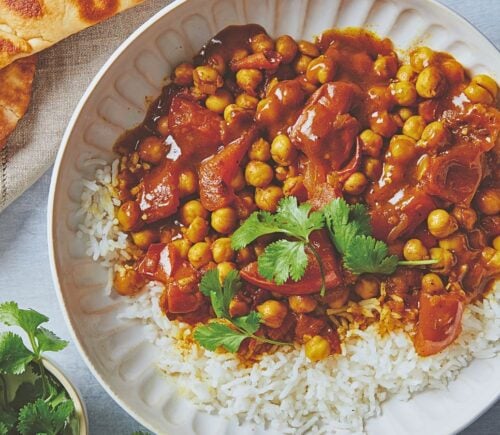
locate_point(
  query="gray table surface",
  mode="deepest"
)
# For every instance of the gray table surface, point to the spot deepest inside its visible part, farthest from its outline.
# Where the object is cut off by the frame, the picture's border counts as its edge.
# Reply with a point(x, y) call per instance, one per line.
point(25, 275)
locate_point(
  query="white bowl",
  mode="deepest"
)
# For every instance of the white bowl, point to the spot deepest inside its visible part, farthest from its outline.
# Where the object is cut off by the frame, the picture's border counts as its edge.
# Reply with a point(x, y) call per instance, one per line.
point(116, 350)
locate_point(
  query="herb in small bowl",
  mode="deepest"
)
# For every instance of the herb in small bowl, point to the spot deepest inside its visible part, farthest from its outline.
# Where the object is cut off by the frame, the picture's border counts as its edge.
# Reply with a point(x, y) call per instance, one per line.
point(35, 397)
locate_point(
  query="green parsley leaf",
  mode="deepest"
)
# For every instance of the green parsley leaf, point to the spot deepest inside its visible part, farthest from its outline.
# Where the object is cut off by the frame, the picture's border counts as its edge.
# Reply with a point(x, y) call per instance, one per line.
point(48, 341)
point(258, 224)
point(249, 323)
point(14, 356)
point(297, 220)
point(283, 259)
point(368, 255)
point(216, 335)
point(29, 320)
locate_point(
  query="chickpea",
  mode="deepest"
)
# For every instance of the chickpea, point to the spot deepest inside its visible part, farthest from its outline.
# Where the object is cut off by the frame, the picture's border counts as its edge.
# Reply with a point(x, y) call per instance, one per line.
point(372, 168)
point(258, 174)
point(224, 220)
point(385, 66)
point(491, 257)
point(496, 243)
point(404, 93)
point(282, 150)
point(246, 206)
point(183, 74)
point(414, 127)
point(162, 125)
point(432, 283)
point(287, 47)
point(261, 42)
point(355, 184)
point(224, 268)
point(272, 313)
point(402, 148)
point(182, 247)
point(144, 238)
point(405, 113)
point(445, 259)
point(199, 254)
point(454, 242)
point(221, 250)
point(248, 79)
point(308, 48)
point(219, 101)
point(441, 224)
point(465, 216)
point(188, 182)
point(152, 149)
point(128, 282)
point(453, 71)
point(371, 143)
point(406, 73)
point(301, 64)
point(482, 89)
point(302, 304)
point(128, 215)
point(207, 79)
point(317, 348)
point(321, 70)
point(430, 82)
point(230, 112)
point(434, 136)
point(267, 198)
point(367, 287)
point(383, 123)
point(338, 297)
point(294, 186)
point(247, 101)
point(245, 256)
point(197, 230)
point(488, 201)
point(421, 58)
point(238, 308)
point(238, 181)
point(260, 150)
point(192, 209)
point(238, 54)
point(414, 250)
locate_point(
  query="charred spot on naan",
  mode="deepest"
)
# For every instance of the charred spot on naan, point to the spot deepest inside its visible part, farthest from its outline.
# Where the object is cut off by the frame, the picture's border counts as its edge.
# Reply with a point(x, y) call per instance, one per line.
point(25, 8)
point(96, 10)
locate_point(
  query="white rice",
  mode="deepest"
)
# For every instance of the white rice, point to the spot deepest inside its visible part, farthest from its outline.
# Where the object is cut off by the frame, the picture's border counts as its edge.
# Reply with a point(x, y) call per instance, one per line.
point(285, 391)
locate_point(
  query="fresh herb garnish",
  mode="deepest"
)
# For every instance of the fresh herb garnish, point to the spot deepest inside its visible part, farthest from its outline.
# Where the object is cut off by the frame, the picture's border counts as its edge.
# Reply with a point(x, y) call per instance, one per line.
point(227, 332)
point(285, 258)
point(350, 231)
point(39, 404)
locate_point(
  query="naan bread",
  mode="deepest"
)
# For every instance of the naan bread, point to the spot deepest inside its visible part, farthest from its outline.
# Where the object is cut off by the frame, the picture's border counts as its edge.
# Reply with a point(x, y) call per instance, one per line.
point(15, 93)
point(28, 26)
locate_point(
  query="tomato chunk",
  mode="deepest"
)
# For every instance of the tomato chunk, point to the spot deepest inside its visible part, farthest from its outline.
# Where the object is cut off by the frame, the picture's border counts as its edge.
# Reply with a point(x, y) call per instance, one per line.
point(159, 262)
point(439, 322)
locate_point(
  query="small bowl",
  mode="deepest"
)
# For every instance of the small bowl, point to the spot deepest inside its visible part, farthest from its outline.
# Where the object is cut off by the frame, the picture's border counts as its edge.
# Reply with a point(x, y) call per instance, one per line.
point(74, 394)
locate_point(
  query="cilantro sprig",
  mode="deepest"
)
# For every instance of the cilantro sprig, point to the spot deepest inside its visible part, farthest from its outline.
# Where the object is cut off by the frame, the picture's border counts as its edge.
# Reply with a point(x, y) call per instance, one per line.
point(39, 404)
point(227, 332)
point(350, 231)
point(285, 258)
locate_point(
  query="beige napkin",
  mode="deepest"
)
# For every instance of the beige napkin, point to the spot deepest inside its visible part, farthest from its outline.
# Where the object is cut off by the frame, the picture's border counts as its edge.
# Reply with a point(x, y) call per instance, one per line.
point(64, 72)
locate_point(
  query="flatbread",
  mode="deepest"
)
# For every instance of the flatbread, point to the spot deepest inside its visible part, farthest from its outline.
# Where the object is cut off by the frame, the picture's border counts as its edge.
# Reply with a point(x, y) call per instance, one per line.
point(15, 92)
point(29, 26)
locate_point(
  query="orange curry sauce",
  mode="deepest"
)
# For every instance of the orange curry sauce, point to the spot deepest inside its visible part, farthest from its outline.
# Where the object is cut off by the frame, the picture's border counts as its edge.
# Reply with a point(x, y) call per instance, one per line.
point(253, 119)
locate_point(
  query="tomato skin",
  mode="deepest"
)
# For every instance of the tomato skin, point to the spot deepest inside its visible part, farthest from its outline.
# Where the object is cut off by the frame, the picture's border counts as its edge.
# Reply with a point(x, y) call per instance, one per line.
point(311, 281)
point(439, 322)
point(154, 264)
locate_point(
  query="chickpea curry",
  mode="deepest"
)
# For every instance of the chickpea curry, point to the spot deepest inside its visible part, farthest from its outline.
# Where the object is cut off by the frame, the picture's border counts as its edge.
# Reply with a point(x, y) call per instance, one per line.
point(276, 185)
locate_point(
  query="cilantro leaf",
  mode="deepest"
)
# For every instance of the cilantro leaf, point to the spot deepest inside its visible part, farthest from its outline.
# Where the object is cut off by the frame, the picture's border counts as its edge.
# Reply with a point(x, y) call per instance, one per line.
point(220, 296)
point(35, 418)
point(345, 222)
point(249, 323)
point(232, 285)
point(29, 320)
point(8, 420)
point(210, 282)
point(368, 255)
point(283, 259)
point(296, 219)
point(48, 341)
point(216, 335)
point(61, 413)
point(14, 356)
point(27, 392)
point(258, 224)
